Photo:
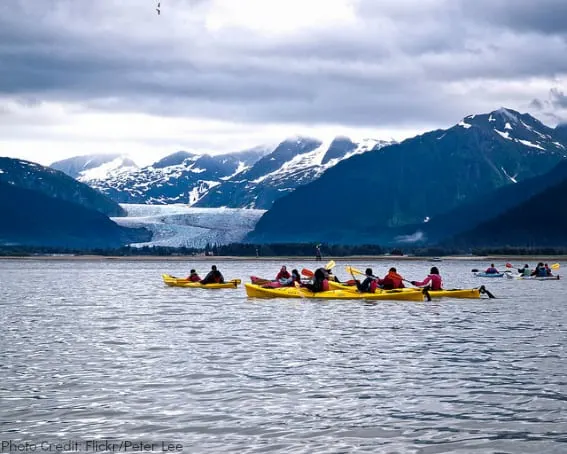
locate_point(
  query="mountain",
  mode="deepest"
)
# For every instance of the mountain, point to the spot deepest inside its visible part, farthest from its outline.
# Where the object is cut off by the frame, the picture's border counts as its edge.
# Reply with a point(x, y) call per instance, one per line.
point(361, 199)
point(56, 184)
point(541, 221)
point(178, 178)
point(561, 132)
point(482, 209)
point(85, 168)
point(32, 218)
point(295, 162)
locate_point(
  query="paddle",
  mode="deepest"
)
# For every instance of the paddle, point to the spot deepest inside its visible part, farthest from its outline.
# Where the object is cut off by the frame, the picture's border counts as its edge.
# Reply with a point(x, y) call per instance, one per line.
point(352, 270)
point(307, 273)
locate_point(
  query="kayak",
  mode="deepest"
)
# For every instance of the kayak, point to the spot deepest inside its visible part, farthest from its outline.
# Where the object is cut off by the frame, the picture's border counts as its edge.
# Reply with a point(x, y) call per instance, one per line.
point(449, 293)
point(538, 278)
point(257, 291)
point(482, 274)
point(173, 281)
point(388, 295)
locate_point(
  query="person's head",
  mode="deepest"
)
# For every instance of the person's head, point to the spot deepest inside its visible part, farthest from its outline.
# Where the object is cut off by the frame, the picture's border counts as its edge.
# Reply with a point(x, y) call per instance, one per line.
point(492, 265)
point(526, 266)
point(393, 270)
point(283, 268)
point(192, 271)
point(295, 272)
point(434, 270)
point(214, 267)
point(540, 264)
point(369, 272)
point(546, 265)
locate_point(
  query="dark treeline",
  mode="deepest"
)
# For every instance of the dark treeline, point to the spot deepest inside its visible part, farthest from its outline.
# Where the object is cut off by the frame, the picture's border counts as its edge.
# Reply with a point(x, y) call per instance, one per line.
point(507, 250)
point(275, 250)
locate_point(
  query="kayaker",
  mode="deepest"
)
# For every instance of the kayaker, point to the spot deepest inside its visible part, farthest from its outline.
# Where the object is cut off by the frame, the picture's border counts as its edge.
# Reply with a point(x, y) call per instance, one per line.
point(369, 284)
point(433, 279)
point(193, 276)
point(525, 271)
point(540, 270)
point(283, 274)
point(392, 280)
point(547, 270)
point(213, 277)
point(295, 276)
point(320, 281)
point(491, 269)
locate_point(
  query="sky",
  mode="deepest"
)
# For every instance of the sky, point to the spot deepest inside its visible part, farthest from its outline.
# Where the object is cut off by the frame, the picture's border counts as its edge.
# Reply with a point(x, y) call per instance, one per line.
point(112, 76)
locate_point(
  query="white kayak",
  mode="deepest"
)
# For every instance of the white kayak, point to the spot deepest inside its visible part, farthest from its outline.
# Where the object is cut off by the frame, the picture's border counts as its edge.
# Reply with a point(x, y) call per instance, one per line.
point(535, 278)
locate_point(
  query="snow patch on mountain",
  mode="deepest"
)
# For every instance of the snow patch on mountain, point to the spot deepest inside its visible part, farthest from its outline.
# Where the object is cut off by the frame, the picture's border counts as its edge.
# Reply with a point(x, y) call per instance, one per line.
point(107, 169)
point(527, 143)
point(178, 225)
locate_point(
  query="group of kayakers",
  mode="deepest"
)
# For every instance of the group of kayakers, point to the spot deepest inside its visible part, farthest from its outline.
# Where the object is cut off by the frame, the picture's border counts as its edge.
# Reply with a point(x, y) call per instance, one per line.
point(541, 270)
point(213, 277)
point(319, 280)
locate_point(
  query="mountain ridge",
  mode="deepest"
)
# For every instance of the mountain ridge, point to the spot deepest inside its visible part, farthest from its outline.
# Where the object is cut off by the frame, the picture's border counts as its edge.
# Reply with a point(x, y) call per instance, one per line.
point(415, 180)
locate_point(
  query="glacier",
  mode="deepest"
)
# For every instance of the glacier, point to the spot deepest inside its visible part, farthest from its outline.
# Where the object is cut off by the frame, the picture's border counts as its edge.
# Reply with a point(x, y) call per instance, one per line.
point(178, 225)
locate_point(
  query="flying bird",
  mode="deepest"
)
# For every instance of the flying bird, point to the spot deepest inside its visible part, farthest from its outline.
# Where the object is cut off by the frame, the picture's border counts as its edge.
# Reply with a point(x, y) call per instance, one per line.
point(157, 9)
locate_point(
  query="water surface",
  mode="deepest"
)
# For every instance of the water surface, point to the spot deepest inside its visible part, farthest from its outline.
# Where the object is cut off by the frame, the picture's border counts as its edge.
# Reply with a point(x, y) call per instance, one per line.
point(102, 349)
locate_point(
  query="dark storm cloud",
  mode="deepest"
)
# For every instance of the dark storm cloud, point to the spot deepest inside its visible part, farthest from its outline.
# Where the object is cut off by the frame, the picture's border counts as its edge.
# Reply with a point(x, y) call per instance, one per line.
point(401, 63)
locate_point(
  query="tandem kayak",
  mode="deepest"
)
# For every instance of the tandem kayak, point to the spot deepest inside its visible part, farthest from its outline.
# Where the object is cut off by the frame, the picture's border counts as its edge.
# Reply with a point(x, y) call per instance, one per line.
point(257, 291)
point(448, 293)
point(537, 278)
point(173, 281)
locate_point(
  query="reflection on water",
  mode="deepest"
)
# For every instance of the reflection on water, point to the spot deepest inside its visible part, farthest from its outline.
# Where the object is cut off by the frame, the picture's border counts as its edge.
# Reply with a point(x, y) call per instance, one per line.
point(102, 349)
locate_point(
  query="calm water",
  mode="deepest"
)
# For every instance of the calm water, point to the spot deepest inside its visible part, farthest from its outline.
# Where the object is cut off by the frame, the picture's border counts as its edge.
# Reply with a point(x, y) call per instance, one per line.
point(102, 349)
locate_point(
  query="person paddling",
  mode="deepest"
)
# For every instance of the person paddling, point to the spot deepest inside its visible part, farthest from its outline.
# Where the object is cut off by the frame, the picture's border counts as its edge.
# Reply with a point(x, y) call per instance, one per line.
point(320, 281)
point(525, 271)
point(540, 270)
point(213, 277)
point(283, 274)
point(491, 269)
point(392, 280)
point(369, 284)
point(433, 279)
point(193, 276)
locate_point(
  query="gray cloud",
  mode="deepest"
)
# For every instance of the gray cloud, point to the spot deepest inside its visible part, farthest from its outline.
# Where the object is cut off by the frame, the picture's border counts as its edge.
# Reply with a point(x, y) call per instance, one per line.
point(548, 17)
point(411, 63)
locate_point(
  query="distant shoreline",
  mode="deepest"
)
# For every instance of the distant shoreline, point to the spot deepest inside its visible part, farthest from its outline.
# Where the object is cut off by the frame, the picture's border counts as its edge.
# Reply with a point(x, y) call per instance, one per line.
point(202, 258)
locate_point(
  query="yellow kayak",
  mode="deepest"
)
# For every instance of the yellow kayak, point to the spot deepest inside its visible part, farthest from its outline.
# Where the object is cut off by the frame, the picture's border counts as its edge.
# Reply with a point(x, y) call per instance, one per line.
point(454, 293)
point(256, 291)
point(173, 281)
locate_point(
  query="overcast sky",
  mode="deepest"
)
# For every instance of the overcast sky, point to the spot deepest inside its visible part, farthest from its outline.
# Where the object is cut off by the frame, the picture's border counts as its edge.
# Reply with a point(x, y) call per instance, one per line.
point(81, 76)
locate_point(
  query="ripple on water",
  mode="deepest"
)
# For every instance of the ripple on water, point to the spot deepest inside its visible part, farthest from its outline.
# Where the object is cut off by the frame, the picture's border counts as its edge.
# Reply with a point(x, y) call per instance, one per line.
point(110, 352)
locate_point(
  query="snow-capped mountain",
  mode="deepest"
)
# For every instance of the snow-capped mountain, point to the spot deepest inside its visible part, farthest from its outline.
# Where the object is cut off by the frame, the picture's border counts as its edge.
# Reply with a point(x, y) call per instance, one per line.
point(94, 167)
point(181, 226)
point(178, 178)
point(295, 162)
point(409, 183)
point(248, 179)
